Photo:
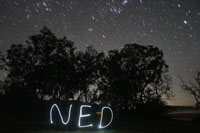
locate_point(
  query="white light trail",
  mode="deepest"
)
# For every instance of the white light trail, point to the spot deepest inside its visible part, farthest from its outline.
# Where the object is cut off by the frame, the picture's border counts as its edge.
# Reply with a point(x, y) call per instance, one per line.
point(55, 105)
point(100, 125)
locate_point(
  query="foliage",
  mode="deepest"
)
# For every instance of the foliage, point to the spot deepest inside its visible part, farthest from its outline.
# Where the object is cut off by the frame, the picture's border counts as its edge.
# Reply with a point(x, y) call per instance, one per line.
point(88, 65)
point(44, 66)
point(133, 76)
point(48, 67)
point(193, 88)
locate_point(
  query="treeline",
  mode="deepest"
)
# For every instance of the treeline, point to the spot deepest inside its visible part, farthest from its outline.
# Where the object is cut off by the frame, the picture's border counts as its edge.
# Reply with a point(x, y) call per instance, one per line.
point(51, 68)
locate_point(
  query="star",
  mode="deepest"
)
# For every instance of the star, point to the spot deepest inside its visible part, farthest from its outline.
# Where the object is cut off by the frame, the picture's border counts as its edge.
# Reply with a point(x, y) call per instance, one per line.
point(172, 26)
point(185, 21)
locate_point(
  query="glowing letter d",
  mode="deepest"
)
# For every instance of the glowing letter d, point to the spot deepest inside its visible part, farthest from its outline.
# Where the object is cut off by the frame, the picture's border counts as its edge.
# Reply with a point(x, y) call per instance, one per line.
point(100, 125)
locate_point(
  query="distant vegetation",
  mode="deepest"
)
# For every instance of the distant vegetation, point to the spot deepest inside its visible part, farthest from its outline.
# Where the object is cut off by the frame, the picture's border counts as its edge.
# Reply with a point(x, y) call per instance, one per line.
point(193, 88)
point(48, 68)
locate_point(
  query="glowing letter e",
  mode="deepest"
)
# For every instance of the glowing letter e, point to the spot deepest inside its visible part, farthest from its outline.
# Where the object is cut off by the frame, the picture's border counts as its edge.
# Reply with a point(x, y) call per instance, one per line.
point(56, 106)
point(86, 115)
point(100, 126)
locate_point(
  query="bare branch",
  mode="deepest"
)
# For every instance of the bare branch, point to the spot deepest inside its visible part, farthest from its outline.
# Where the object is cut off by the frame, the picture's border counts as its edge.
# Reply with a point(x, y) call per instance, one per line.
point(192, 88)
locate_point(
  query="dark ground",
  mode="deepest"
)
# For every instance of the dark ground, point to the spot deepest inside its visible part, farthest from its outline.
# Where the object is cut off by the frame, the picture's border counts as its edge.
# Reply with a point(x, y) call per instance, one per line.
point(11, 125)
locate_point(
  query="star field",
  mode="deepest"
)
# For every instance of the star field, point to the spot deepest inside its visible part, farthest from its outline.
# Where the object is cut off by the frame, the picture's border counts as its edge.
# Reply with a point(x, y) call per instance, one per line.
point(171, 25)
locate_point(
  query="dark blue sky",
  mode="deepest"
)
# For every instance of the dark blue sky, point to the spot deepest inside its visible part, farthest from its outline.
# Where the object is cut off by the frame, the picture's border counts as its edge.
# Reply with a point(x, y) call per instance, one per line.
point(171, 25)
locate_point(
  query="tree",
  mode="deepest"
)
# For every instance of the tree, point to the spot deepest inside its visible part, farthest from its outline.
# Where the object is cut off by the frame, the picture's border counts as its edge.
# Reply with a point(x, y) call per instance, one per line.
point(133, 76)
point(52, 67)
point(44, 66)
point(1, 67)
point(88, 65)
point(193, 88)
point(1, 61)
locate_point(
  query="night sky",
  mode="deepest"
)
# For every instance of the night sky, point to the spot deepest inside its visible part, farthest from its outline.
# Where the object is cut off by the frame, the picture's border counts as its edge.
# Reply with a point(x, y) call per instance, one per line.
point(171, 25)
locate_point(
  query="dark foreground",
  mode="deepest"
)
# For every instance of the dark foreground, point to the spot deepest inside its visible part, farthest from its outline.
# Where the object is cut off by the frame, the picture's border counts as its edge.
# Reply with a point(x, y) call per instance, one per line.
point(174, 122)
point(133, 126)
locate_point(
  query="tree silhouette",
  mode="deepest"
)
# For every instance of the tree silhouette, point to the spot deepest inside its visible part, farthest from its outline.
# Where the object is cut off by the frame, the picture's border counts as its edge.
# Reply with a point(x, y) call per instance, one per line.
point(1, 67)
point(193, 88)
point(1, 61)
point(48, 67)
point(88, 66)
point(44, 66)
point(132, 76)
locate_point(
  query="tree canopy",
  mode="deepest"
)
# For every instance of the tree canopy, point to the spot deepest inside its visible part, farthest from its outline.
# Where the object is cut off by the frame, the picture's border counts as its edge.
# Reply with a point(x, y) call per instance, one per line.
point(47, 67)
point(134, 75)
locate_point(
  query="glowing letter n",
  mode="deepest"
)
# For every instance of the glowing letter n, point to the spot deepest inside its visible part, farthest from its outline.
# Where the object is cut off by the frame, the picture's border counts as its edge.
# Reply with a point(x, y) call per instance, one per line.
point(55, 105)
